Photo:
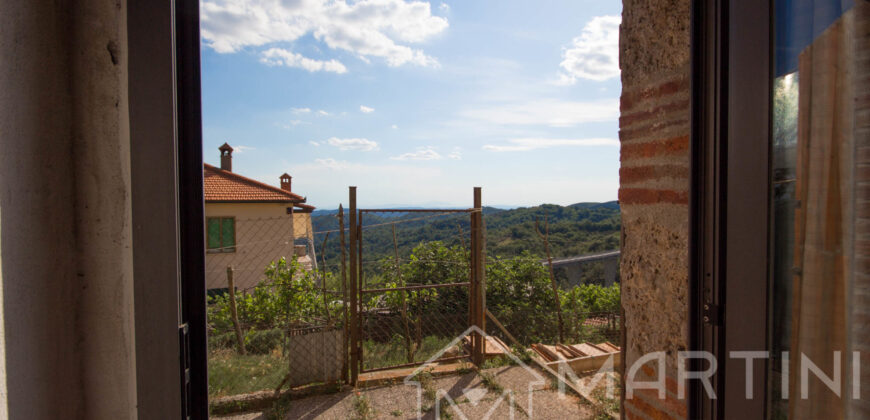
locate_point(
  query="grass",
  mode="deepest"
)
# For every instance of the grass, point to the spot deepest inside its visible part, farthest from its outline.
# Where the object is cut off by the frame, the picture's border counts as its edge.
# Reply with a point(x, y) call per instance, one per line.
point(230, 373)
point(393, 352)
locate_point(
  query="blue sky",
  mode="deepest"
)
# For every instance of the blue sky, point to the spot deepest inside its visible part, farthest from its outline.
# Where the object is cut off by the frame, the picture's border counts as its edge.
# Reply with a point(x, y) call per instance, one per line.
point(414, 102)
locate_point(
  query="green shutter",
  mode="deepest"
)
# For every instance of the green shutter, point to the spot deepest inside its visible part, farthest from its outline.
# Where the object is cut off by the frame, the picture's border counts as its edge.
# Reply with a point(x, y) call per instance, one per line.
point(213, 233)
point(228, 233)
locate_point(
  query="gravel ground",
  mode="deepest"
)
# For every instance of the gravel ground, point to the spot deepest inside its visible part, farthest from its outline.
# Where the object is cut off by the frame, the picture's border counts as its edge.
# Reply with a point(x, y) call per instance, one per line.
point(509, 392)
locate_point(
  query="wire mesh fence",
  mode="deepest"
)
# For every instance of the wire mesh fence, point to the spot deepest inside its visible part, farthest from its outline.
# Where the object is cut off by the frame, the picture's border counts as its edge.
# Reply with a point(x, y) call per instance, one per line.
point(276, 318)
point(280, 306)
point(535, 326)
point(414, 304)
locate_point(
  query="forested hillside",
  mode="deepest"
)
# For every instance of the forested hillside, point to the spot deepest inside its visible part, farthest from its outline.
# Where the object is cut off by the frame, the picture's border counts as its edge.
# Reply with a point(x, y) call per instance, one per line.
point(574, 230)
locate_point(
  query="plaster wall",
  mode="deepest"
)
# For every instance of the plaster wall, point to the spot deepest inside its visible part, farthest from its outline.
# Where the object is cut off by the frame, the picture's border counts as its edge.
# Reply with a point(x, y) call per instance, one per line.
point(264, 233)
point(65, 212)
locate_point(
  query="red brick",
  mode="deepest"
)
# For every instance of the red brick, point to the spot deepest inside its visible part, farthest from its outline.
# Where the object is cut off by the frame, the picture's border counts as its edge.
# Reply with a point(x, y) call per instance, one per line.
point(626, 135)
point(665, 147)
point(862, 173)
point(630, 99)
point(626, 119)
point(675, 406)
point(629, 196)
point(862, 207)
point(650, 410)
point(632, 412)
point(629, 175)
point(863, 155)
point(670, 383)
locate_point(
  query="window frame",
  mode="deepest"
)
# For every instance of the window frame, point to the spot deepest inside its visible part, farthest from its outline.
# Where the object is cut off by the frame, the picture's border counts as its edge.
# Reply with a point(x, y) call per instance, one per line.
point(223, 247)
point(732, 74)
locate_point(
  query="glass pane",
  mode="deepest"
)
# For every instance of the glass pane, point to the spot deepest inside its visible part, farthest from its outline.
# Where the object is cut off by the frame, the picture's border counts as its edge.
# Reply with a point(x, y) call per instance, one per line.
point(816, 104)
point(213, 233)
point(228, 233)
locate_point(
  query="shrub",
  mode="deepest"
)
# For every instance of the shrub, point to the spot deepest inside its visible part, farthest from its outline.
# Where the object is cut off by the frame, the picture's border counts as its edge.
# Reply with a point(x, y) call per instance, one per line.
point(263, 342)
point(222, 341)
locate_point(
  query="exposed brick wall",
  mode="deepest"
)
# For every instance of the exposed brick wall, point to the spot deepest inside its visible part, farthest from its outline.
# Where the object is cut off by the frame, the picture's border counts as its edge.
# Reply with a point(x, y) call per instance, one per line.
point(654, 192)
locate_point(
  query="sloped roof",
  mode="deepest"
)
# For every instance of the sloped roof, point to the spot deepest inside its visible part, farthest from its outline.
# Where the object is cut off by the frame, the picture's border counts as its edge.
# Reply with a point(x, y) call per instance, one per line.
point(220, 186)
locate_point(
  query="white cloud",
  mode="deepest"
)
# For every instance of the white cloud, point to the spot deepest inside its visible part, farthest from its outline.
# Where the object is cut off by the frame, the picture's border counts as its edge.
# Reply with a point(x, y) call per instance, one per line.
point(426, 153)
point(594, 55)
point(242, 149)
point(444, 7)
point(300, 110)
point(322, 113)
point(361, 145)
point(551, 112)
point(394, 127)
point(314, 143)
point(366, 110)
point(332, 163)
point(292, 123)
point(366, 28)
point(456, 154)
point(525, 144)
point(282, 57)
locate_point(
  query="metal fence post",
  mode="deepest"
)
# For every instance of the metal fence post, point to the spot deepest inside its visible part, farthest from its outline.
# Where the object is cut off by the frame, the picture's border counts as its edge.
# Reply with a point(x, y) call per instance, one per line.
point(354, 293)
point(344, 303)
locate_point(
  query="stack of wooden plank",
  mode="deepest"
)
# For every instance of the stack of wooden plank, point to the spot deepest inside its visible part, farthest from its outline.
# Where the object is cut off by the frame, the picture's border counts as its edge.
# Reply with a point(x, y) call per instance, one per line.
point(581, 357)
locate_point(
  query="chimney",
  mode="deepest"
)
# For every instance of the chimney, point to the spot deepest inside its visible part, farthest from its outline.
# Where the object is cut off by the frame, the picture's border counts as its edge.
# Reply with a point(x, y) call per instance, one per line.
point(226, 157)
point(285, 181)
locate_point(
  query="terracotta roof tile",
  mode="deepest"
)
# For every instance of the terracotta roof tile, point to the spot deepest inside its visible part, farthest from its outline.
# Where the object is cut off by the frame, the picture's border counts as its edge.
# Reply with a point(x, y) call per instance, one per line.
point(225, 186)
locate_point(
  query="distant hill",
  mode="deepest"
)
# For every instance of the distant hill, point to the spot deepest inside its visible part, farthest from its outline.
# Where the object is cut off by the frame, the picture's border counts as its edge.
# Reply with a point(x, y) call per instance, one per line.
point(574, 230)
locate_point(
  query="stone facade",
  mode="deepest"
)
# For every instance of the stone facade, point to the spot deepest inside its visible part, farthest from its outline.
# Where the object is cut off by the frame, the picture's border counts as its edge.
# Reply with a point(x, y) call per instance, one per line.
point(654, 193)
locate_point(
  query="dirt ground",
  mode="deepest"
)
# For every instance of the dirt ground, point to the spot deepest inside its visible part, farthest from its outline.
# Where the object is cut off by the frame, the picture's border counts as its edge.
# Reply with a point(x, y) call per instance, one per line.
point(500, 393)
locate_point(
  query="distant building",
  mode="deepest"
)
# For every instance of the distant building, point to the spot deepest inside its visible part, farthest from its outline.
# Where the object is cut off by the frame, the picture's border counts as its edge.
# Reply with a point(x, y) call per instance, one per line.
point(250, 224)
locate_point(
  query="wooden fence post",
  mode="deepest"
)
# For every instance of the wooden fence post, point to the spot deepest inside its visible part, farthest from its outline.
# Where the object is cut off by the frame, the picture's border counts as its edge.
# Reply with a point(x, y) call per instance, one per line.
point(546, 237)
point(354, 293)
point(478, 306)
point(233, 313)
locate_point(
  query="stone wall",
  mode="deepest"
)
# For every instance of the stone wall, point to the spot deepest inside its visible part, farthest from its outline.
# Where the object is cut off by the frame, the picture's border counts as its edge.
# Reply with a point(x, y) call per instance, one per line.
point(654, 192)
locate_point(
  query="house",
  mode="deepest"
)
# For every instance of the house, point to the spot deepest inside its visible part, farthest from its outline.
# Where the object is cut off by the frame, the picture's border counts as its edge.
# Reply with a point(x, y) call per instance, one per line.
point(249, 224)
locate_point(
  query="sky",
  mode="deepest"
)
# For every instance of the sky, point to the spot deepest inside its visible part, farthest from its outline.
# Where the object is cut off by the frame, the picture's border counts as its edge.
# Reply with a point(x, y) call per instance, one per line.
point(416, 102)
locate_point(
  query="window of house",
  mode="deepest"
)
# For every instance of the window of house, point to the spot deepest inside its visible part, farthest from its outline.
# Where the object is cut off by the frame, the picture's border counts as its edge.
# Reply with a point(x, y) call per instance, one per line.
point(221, 234)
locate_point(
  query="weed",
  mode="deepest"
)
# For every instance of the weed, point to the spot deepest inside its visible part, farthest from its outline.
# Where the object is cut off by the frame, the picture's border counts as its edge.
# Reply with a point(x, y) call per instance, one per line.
point(444, 413)
point(279, 408)
point(554, 383)
point(362, 408)
point(497, 362)
point(488, 380)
